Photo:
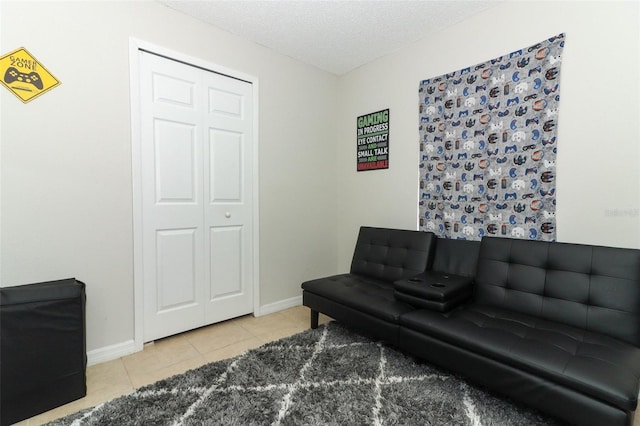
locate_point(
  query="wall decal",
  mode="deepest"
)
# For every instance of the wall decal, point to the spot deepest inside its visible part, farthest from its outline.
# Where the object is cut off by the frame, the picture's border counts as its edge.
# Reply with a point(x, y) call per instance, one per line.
point(488, 146)
point(24, 76)
point(373, 141)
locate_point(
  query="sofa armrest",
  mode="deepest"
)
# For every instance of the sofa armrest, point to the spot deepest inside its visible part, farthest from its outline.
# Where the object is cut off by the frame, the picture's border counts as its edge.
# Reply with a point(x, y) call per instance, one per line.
point(434, 290)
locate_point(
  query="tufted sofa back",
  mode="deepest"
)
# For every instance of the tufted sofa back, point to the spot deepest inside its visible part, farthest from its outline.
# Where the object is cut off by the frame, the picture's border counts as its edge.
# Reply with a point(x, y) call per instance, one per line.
point(456, 257)
point(392, 254)
point(592, 287)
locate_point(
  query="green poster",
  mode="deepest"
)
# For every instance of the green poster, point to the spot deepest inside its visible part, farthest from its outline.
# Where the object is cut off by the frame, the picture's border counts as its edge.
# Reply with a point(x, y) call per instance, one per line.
point(373, 141)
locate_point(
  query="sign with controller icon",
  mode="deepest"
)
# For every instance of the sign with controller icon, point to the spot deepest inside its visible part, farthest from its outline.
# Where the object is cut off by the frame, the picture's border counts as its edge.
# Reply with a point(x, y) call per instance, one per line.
point(24, 76)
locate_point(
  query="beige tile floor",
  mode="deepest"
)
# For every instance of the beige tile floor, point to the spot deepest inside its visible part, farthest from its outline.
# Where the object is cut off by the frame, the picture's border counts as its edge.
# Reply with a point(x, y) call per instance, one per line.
point(177, 354)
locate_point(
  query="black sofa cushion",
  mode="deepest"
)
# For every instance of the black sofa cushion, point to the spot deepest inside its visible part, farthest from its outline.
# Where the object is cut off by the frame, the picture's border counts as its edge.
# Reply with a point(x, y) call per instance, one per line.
point(603, 367)
point(456, 257)
point(391, 254)
point(371, 325)
point(574, 407)
point(368, 295)
point(590, 287)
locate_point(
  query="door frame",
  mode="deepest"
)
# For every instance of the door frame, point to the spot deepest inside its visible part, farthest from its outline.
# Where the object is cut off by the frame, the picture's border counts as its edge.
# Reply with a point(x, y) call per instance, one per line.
point(136, 45)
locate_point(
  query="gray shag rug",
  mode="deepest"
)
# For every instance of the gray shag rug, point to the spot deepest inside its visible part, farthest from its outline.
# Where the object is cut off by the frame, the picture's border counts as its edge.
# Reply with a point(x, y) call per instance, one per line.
point(330, 375)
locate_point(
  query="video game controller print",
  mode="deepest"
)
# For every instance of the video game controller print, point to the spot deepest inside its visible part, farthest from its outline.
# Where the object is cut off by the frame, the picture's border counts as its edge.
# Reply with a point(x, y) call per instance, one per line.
point(507, 142)
point(12, 74)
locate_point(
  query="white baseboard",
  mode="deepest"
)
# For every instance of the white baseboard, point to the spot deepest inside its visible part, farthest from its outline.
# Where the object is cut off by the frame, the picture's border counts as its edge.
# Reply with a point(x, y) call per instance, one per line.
point(118, 350)
point(281, 305)
point(112, 352)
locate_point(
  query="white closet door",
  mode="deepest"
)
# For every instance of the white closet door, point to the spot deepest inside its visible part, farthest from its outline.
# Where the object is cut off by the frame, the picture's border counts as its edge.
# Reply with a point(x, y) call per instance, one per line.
point(228, 151)
point(196, 137)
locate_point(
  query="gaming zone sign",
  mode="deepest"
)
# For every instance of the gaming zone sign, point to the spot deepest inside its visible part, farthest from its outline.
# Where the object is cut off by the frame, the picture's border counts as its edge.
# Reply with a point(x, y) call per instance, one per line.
point(373, 141)
point(24, 76)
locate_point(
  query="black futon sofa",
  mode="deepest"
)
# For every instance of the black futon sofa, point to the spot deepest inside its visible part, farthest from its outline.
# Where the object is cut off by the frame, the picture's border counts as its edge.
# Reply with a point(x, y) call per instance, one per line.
point(554, 325)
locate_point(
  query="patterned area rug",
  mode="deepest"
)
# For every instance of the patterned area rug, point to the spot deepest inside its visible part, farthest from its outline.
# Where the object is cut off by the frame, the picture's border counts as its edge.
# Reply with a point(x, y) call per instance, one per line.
point(330, 375)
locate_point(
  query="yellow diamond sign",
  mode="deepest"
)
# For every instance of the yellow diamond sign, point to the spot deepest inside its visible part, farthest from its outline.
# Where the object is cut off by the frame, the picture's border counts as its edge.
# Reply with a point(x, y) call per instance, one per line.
point(24, 76)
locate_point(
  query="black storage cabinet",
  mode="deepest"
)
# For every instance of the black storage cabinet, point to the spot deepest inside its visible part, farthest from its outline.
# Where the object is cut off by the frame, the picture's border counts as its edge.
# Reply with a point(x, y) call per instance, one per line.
point(43, 355)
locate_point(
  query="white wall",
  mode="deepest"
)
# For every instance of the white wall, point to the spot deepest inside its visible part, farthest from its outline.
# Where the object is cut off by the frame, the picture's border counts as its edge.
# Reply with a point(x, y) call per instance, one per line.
point(598, 183)
point(66, 205)
point(65, 167)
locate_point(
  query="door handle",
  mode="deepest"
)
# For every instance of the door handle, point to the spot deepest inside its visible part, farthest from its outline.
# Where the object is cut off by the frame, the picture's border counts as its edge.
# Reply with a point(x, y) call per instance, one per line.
point(227, 215)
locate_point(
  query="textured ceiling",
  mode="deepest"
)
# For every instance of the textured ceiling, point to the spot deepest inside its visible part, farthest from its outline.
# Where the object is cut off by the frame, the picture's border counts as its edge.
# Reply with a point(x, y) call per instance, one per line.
point(336, 36)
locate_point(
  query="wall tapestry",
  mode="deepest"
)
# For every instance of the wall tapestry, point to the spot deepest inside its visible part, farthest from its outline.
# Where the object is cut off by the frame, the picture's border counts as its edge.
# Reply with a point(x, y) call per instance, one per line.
point(488, 146)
